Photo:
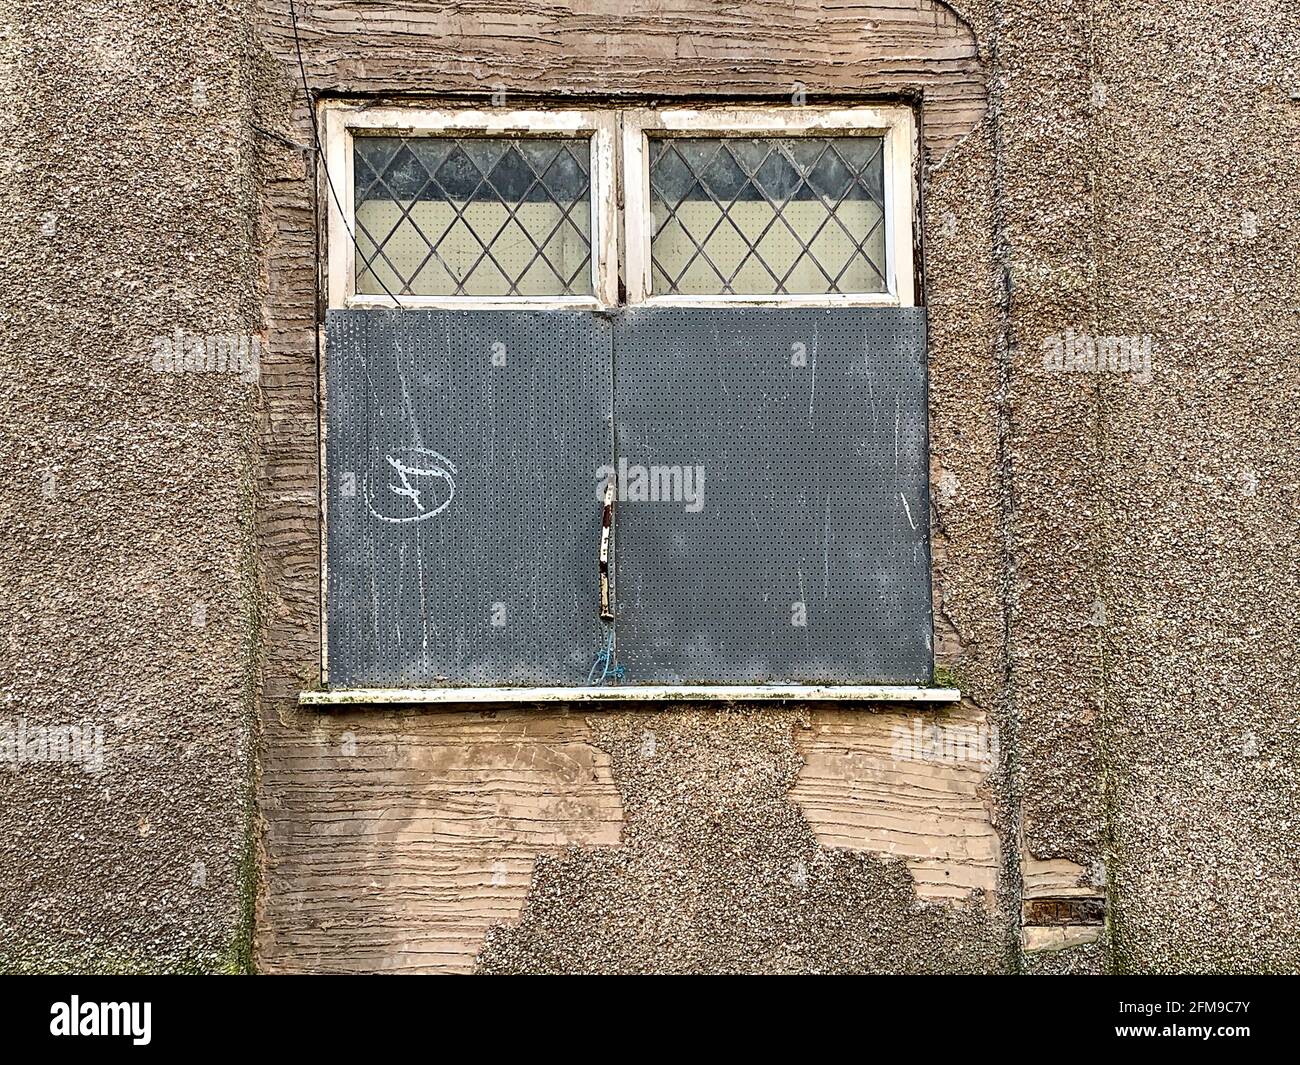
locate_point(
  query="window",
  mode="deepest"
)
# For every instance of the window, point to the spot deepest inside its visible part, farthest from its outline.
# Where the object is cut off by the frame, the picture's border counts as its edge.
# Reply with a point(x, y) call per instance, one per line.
point(471, 208)
point(791, 207)
point(797, 207)
point(472, 216)
point(766, 215)
point(728, 484)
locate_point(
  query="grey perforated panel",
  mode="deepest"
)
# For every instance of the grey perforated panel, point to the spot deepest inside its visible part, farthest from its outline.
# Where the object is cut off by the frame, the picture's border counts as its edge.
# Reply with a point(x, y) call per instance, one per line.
point(808, 556)
point(772, 522)
point(463, 519)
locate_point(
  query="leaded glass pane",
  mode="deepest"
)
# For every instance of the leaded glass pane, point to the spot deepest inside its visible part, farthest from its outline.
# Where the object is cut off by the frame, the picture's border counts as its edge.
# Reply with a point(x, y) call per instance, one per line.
point(767, 216)
point(473, 216)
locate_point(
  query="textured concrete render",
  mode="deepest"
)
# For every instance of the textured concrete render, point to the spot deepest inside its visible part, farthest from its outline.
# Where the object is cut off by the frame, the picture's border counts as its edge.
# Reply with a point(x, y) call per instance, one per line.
point(127, 586)
point(1197, 238)
point(1142, 194)
point(718, 871)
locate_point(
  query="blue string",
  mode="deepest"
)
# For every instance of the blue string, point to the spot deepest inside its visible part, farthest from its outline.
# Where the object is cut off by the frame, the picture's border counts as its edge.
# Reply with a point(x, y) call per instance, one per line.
point(605, 663)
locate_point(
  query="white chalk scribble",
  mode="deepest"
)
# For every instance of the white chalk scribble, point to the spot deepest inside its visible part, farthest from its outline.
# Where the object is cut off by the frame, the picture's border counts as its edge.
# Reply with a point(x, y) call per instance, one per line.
point(422, 478)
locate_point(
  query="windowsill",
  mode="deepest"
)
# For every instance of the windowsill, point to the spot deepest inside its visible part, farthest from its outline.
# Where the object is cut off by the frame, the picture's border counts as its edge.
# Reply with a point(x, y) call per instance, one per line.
point(835, 299)
point(367, 302)
point(635, 693)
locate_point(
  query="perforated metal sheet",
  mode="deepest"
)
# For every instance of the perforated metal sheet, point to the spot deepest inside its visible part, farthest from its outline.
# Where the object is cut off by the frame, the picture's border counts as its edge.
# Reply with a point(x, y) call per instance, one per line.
point(464, 514)
point(809, 558)
point(463, 517)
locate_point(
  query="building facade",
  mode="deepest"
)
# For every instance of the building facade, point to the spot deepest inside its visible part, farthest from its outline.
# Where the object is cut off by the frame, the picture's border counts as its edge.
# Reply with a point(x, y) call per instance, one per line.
point(1080, 207)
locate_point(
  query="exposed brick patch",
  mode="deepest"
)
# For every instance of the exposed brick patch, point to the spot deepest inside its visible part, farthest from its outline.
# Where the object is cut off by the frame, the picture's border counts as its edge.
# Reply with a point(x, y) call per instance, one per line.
point(1067, 911)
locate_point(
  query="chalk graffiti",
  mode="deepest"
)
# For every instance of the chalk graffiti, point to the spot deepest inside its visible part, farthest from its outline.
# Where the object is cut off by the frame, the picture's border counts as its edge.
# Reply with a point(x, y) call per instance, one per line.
point(414, 488)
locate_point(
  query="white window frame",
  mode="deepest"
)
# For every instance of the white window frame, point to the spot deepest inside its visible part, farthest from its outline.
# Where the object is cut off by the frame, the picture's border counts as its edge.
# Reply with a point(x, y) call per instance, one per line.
point(895, 124)
point(341, 121)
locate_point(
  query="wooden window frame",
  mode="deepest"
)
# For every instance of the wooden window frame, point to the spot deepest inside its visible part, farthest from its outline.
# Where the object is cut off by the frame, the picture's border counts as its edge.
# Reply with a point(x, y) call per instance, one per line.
point(340, 123)
point(620, 216)
point(620, 193)
point(895, 124)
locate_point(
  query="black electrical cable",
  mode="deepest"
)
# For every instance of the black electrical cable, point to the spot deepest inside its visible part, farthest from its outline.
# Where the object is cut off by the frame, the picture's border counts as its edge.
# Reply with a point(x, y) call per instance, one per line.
point(320, 151)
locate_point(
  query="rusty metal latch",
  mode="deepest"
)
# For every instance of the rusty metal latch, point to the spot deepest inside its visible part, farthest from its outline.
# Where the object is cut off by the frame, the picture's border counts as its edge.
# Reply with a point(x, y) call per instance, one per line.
point(606, 523)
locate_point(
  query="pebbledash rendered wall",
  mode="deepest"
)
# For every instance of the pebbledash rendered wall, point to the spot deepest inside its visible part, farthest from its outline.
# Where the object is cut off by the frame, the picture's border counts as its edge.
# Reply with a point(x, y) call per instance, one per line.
point(128, 595)
point(1115, 546)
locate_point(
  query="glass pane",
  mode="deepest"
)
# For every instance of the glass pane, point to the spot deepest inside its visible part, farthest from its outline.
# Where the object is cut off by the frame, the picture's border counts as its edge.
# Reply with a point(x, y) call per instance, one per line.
point(766, 216)
point(473, 216)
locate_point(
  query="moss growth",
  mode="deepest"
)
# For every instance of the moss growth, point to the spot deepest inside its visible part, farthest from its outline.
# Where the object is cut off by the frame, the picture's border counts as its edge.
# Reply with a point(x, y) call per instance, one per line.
point(239, 957)
point(949, 677)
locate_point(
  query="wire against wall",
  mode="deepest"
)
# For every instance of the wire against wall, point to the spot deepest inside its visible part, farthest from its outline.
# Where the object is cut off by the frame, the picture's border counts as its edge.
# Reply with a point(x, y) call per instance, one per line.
point(605, 663)
point(320, 152)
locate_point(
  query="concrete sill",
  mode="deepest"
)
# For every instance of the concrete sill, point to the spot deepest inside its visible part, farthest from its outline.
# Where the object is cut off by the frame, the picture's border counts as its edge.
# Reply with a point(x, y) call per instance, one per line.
point(634, 693)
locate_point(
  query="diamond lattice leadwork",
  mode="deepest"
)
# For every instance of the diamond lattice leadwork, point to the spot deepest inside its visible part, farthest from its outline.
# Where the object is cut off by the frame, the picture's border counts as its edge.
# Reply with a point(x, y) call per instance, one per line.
point(473, 216)
point(767, 215)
